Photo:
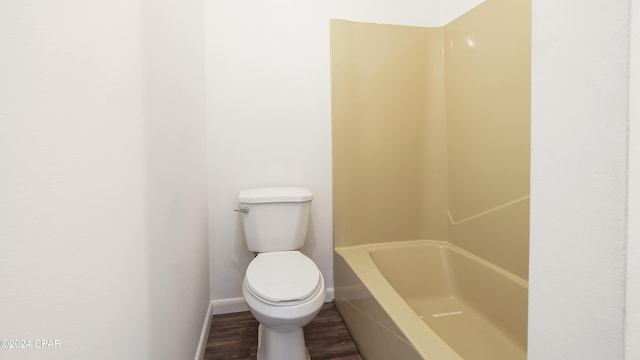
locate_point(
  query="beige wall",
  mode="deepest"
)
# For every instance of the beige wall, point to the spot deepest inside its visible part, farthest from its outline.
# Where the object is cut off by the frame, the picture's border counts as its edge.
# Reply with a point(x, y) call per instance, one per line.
point(380, 82)
point(487, 76)
point(431, 132)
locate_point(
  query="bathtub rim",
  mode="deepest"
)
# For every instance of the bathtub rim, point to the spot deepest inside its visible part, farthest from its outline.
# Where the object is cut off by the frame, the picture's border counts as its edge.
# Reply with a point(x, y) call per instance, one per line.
point(426, 342)
point(445, 244)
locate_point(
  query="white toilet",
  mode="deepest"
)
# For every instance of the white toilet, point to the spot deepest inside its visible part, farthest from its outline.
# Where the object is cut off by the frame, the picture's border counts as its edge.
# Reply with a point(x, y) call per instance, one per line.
point(282, 287)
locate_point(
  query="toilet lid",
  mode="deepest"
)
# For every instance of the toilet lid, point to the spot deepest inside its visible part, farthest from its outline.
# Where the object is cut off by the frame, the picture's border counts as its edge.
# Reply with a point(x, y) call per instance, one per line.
point(283, 276)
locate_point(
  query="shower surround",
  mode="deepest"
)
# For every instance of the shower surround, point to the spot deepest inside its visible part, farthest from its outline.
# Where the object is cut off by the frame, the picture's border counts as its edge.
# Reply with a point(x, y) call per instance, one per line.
point(430, 130)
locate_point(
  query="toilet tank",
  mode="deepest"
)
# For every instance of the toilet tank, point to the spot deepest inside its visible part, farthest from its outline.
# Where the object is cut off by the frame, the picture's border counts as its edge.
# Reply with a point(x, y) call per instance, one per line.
point(277, 217)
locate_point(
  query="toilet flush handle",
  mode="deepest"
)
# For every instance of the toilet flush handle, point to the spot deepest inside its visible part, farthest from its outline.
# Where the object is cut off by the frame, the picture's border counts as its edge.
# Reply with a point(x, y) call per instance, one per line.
point(244, 210)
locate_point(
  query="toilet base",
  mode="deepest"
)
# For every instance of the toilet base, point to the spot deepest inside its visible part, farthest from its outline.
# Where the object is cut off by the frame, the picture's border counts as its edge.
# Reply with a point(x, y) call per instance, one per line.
point(275, 345)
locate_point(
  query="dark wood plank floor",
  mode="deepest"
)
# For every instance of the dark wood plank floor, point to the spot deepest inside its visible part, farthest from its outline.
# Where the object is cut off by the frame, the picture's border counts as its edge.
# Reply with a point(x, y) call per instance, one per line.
point(235, 336)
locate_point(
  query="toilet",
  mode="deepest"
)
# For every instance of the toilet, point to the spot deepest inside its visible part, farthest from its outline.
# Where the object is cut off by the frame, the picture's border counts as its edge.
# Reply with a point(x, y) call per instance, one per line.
point(282, 287)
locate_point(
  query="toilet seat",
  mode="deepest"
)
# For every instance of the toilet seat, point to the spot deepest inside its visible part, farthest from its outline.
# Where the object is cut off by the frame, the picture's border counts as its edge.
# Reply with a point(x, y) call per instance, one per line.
point(283, 278)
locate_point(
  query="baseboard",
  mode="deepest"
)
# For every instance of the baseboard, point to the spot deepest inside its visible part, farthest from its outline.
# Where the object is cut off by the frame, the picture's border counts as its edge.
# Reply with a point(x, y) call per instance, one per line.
point(331, 295)
point(202, 344)
point(233, 305)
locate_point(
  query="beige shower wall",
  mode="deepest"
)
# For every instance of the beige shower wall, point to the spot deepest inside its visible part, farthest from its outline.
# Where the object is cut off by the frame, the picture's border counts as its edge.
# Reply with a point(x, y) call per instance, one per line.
point(389, 183)
point(431, 132)
point(487, 72)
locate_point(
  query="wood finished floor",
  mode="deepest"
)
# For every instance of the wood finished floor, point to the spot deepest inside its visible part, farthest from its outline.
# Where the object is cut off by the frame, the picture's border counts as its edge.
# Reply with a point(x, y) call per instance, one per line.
point(235, 336)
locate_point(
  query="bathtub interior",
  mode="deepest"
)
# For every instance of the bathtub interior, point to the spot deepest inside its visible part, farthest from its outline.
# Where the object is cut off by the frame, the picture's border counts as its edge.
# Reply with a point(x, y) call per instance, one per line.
point(383, 325)
point(476, 308)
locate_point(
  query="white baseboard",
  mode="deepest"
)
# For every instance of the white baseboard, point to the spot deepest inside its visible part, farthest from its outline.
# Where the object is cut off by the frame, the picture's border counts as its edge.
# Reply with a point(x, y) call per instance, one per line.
point(331, 294)
point(233, 305)
point(202, 344)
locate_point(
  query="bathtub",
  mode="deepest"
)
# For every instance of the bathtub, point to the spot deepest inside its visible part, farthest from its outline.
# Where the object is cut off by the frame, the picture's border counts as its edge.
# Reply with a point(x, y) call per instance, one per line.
point(428, 299)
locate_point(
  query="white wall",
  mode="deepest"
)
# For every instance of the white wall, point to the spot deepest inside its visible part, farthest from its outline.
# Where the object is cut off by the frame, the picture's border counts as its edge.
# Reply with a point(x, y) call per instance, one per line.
point(102, 183)
point(269, 122)
point(578, 179)
point(176, 171)
point(633, 215)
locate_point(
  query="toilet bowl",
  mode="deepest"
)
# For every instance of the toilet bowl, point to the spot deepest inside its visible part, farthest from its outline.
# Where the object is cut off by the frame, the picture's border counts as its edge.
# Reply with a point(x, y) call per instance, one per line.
point(282, 287)
point(284, 291)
